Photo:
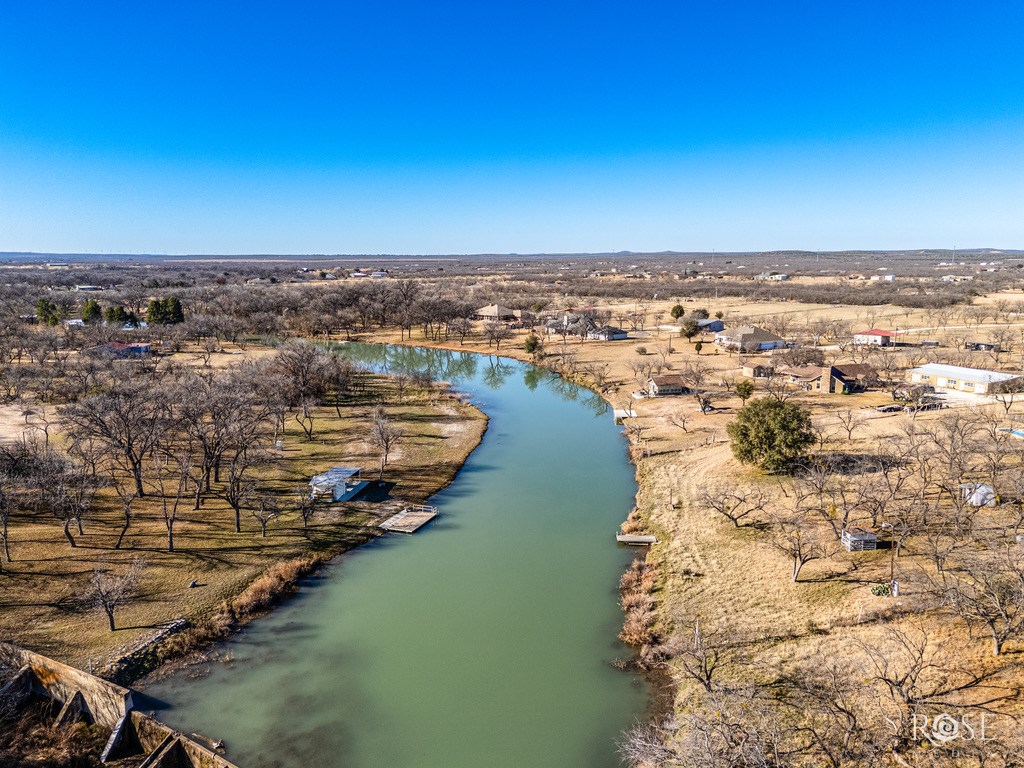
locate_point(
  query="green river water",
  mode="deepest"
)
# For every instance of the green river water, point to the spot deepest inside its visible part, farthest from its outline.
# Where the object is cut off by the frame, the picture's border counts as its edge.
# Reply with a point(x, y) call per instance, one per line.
point(484, 640)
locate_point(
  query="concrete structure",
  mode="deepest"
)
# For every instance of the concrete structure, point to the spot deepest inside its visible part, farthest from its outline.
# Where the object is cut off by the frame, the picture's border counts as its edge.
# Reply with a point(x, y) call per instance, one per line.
point(876, 337)
point(668, 384)
point(92, 699)
point(954, 378)
point(749, 338)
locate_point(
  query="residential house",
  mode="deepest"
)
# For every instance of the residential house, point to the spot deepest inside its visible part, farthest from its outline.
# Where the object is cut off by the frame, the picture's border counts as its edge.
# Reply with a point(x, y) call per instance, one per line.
point(748, 338)
point(956, 378)
point(877, 337)
point(608, 333)
point(667, 384)
point(832, 379)
point(496, 313)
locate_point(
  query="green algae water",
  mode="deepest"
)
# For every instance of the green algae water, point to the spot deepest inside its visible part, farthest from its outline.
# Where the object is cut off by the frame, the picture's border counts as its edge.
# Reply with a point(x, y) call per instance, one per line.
point(485, 639)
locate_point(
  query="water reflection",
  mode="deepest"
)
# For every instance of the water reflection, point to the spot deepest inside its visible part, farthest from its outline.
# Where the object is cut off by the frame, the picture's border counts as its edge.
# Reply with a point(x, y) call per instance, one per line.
point(460, 368)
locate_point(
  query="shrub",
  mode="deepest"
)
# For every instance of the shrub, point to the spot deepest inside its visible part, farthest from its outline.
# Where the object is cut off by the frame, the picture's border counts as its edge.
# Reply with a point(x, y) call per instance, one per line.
point(881, 590)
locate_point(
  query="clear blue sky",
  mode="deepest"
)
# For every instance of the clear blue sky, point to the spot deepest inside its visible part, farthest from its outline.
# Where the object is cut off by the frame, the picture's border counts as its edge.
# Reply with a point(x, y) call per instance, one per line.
point(454, 127)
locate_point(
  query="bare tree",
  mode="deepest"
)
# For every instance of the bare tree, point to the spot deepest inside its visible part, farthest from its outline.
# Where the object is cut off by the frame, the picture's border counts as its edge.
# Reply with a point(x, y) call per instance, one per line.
point(733, 502)
point(126, 419)
point(384, 436)
point(800, 541)
point(985, 585)
point(265, 509)
point(108, 591)
point(7, 506)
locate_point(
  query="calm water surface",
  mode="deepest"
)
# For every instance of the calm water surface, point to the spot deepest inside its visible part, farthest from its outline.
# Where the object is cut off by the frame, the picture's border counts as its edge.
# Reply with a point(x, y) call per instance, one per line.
point(483, 640)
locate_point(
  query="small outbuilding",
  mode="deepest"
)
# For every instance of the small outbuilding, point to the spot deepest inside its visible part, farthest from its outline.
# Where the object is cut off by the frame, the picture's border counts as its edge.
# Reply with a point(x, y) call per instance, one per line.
point(338, 483)
point(979, 494)
point(877, 337)
point(858, 539)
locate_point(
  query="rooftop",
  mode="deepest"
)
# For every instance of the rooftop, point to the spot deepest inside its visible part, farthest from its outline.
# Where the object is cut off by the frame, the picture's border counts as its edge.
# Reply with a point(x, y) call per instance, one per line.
point(959, 372)
point(876, 332)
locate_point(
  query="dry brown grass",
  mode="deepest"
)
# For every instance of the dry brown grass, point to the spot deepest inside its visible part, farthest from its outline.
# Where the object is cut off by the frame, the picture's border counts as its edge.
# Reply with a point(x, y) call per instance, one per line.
point(39, 605)
point(730, 577)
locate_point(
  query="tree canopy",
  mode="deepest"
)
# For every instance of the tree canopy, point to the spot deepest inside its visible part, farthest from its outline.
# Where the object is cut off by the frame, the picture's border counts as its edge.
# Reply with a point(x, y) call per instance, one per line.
point(771, 434)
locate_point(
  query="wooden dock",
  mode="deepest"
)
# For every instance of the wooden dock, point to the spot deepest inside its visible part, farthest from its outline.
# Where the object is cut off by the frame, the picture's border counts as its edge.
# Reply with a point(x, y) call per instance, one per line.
point(410, 519)
point(635, 540)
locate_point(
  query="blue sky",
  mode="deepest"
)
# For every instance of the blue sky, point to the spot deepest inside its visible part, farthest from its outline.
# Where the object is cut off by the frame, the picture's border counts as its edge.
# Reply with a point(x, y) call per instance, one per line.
point(459, 127)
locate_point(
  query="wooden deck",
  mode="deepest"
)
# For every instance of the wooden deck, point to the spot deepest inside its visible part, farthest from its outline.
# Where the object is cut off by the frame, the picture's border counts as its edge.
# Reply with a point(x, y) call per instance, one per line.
point(410, 519)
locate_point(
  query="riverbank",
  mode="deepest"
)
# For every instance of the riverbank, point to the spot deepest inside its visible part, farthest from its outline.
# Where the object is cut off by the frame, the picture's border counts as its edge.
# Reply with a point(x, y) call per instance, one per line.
point(237, 576)
point(644, 615)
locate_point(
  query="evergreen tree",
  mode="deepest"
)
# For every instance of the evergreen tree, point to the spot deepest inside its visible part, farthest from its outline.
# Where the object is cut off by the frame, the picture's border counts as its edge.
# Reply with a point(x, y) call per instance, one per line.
point(173, 313)
point(91, 312)
point(155, 312)
point(771, 434)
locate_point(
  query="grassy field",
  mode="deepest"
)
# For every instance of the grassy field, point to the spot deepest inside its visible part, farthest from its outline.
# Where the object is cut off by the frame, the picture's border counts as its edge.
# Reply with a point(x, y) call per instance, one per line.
point(40, 602)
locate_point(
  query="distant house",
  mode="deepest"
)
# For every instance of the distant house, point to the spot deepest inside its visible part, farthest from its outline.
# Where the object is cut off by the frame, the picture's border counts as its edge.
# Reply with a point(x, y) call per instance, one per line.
point(710, 325)
point(496, 313)
point(88, 287)
point(608, 333)
point(123, 349)
point(983, 346)
point(758, 371)
point(832, 379)
point(771, 276)
point(338, 483)
point(959, 379)
point(876, 337)
point(75, 322)
point(856, 376)
point(748, 338)
point(378, 275)
point(668, 384)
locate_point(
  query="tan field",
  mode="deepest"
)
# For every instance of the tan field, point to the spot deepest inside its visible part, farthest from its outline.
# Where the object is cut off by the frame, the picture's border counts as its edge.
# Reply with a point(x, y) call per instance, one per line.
point(730, 577)
point(41, 604)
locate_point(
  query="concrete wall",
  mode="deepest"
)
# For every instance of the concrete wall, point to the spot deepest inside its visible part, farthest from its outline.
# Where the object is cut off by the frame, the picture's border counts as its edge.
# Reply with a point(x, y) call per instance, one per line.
point(151, 733)
point(107, 703)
